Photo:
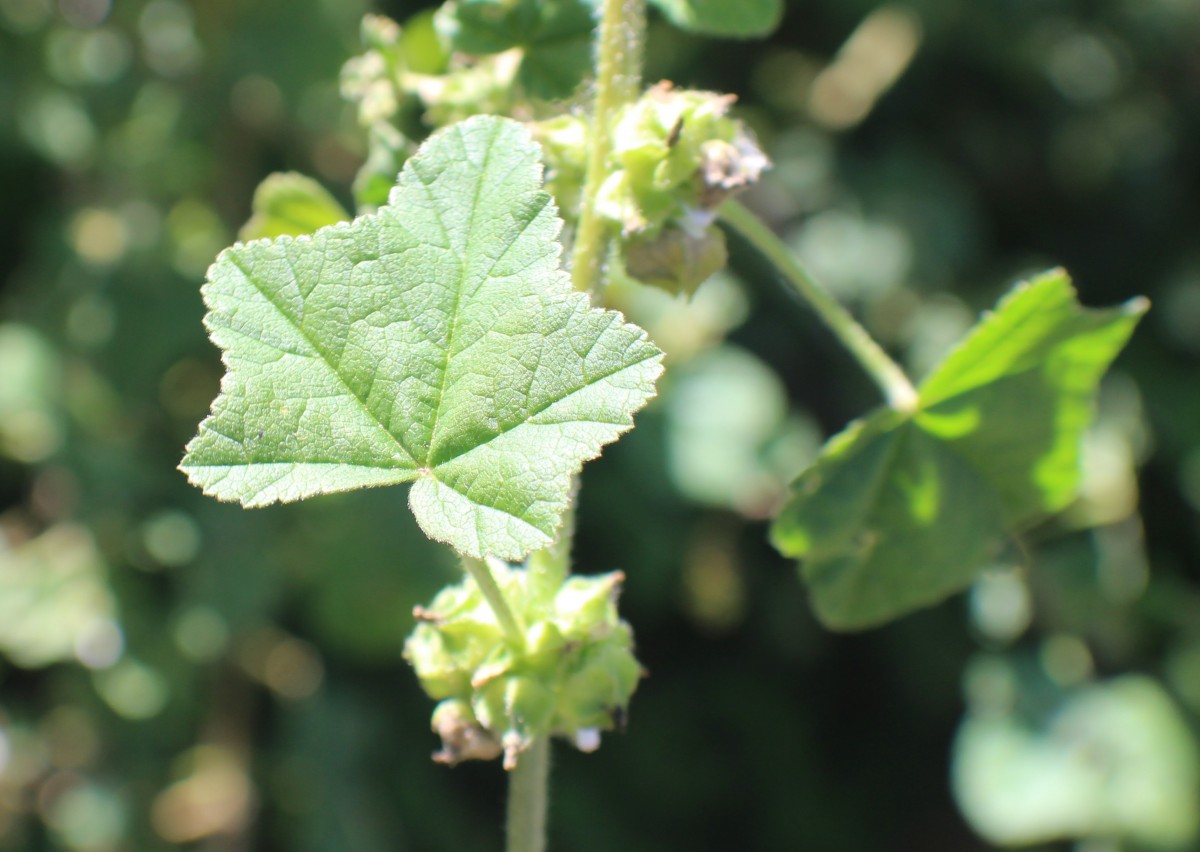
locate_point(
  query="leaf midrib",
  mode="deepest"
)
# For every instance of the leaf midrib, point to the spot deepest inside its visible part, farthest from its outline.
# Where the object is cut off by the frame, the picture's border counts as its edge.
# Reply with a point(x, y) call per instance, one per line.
point(465, 262)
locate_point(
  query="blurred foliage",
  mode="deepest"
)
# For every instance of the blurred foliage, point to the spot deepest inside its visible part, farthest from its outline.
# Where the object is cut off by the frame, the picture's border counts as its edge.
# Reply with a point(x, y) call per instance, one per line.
point(177, 672)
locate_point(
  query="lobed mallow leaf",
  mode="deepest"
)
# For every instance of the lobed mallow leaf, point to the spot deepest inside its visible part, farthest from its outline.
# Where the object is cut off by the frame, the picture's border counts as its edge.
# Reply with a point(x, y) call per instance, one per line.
point(435, 341)
point(903, 509)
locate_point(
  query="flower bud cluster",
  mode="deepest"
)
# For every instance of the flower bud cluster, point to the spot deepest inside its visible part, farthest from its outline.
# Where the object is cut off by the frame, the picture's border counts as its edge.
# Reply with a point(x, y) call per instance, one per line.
point(571, 675)
point(676, 155)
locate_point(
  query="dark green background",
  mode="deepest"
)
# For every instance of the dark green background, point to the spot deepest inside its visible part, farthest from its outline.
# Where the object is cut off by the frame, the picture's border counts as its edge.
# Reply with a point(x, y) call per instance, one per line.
point(755, 729)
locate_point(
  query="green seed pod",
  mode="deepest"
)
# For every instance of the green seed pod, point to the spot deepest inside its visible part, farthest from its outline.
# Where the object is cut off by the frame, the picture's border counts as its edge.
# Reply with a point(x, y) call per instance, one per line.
point(572, 676)
point(545, 646)
point(442, 673)
point(586, 606)
point(675, 259)
point(597, 692)
point(677, 155)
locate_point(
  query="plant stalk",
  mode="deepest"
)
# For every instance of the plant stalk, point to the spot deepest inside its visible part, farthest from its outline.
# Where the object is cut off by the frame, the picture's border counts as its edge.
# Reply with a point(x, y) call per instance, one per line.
point(529, 781)
point(550, 566)
point(482, 575)
point(618, 78)
point(891, 379)
point(527, 799)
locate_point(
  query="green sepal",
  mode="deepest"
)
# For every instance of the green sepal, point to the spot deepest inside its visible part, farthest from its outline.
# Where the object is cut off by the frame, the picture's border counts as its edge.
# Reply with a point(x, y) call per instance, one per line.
point(676, 260)
point(544, 644)
point(596, 694)
point(586, 604)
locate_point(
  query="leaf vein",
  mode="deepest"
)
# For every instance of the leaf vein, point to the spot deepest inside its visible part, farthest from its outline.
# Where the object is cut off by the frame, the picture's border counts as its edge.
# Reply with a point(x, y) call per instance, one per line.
point(551, 403)
point(266, 294)
point(464, 263)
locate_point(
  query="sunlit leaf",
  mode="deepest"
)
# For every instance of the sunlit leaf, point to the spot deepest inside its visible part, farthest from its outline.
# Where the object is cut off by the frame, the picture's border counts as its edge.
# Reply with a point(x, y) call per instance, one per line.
point(902, 510)
point(291, 203)
point(741, 19)
point(436, 341)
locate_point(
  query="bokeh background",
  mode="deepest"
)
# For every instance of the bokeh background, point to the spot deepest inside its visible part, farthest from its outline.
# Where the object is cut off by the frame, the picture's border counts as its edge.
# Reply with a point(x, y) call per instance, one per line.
point(176, 673)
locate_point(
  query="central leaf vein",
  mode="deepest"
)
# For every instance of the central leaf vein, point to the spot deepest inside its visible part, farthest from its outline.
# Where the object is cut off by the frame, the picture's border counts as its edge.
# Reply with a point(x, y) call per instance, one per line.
point(464, 265)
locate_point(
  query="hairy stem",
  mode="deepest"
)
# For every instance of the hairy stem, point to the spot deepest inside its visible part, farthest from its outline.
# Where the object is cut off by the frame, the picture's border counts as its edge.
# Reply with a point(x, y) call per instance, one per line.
point(550, 566)
point(628, 81)
point(529, 781)
point(896, 386)
point(618, 78)
point(527, 799)
point(482, 575)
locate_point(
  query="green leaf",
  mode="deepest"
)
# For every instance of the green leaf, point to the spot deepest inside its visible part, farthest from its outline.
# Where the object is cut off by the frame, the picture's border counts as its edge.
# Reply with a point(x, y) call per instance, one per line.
point(903, 509)
point(555, 35)
point(436, 341)
point(742, 19)
point(290, 203)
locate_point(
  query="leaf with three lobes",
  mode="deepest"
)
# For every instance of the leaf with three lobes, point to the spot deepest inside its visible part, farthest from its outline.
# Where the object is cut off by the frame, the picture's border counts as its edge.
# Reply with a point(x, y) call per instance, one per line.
point(741, 19)
point(290, 203)
point(436, 341)
point(904, 509)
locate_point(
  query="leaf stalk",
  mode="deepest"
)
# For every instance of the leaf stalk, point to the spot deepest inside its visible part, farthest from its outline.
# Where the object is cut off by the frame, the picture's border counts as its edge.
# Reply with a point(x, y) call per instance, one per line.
point(482, 575)
point(897, 388)
point(550, 566)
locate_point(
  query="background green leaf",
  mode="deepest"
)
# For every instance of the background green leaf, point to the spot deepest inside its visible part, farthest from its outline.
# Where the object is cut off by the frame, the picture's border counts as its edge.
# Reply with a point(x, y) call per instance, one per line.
point(291, 203)
point(436, 340)
point(556, 36)
point(901, 510)
point(742, 19)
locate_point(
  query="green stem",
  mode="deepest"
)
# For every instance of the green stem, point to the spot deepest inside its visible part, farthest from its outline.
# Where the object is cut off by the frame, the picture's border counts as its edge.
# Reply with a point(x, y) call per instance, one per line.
point(618, 78)
point(550, 566)
point(527, 799)
point(482, 575)
point(529, 781)
point(896, 386)
point(633, 22)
